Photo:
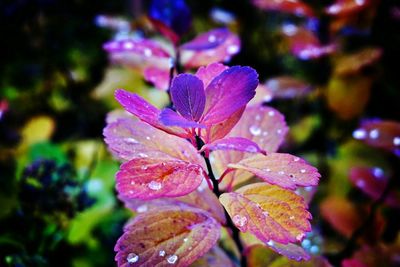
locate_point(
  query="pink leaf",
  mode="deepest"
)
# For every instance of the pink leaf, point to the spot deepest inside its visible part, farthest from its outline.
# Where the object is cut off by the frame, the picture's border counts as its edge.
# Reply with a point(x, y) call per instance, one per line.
point(380, 134)
point(174, 235)
point(287, 87)
point(170, 118)
point(346, 7)
point(188, 97)
point(228, 92)
point(202, 198)
point(280, 169)
point(207, 40)
point(145, 111)
point(269, 212)
point(295, 7)
point(128, 138)
point(234, 143)
point(263, 125)
point(372, 181)
point(221, 53)
point(158, 77)
point(209, 72)
point(148, 178)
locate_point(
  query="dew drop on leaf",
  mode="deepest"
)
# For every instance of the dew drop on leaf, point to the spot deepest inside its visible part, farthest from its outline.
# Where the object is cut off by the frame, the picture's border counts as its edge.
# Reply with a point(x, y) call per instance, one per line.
point(132, 258)
point(172, 259)
point(255, 130)
point(161, 253)
point(359, 134)
point(131, 140)
point(141, 209)
point(396, 141)
point(303, 171)
point(239, 221)
point(153, 185)
point(299, 237)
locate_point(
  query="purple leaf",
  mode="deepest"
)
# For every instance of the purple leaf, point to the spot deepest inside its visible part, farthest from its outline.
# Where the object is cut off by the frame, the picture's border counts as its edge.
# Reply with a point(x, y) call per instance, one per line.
point(228, 92)
point(209, 72)
point(170, 118)
point(145, 111)
point(234, 143)
point(187, 92)
point(207, 40)
point(158, 77)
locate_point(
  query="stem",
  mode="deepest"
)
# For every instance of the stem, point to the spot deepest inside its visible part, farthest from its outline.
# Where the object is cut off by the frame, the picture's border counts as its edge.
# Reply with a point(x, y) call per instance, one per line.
point(217, 192)
point(350, 246)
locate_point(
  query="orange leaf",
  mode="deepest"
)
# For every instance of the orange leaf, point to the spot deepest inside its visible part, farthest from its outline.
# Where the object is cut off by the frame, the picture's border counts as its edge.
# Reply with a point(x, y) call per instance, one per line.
point(269, 212)
point(175, 235)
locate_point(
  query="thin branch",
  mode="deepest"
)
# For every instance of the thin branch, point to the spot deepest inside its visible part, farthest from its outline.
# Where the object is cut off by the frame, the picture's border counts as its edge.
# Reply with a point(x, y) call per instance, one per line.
point(234, 230)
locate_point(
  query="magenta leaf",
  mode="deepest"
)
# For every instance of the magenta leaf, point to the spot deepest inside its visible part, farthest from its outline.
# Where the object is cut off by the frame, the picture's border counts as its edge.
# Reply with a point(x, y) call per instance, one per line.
point(148, 178)
point(143, 47)
point(280, 169)
point(188, 97)
point(170, 118)
point(228, 92)
point(128, 138)
point(269, 212)
point(234, 143)
point(207, 40)
point(145, 111)
point(174, 235)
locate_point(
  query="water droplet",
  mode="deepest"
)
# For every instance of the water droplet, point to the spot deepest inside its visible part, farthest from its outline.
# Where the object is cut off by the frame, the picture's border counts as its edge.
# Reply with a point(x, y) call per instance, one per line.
point(239, 220)
point(266, 213)
point(212, 38)
point(360, 2)
point(281, 172)
point(360, 183)
point(130, 140)
point(185, 239)
point(172, 259)
point(232, 49)
point(374, 134)
point(359, 134)
point(128, 45)
point(291, 217)
point(265, 133)
point(141, 208)
point(148, 138)
point(300, 236)
point(142, 155)
point(303, 171)
point(161, 253)
point(271, 113)
point(396, 141)
point(133, 183)
point(132, 258)
point(270, 243)
point(143, 167)
point(314, 249)
point(255, 130)
point(279, 131)
point(306, 243)
point(153, 185)
point(296, 159)
point(267, 169)
point(148, 52)
point(251, 149)
point(378, 172)
point(289, 29)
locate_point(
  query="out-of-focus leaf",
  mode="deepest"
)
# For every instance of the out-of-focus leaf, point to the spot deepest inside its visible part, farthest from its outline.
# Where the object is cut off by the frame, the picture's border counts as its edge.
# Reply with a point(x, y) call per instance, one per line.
point(287, 87)
point(354, 63)
point(268, 212)
point(346, 7)
point(302, 129)
point(37, 129)
point(295, 7)
point(174, 235)
point(347, 96)
point(381, 134)
point(373, 181)
point(226, 48)
point(341, 214)
point(280, 169)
